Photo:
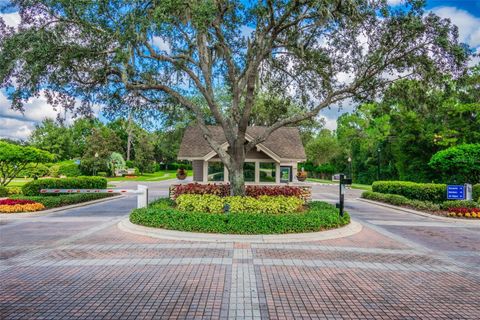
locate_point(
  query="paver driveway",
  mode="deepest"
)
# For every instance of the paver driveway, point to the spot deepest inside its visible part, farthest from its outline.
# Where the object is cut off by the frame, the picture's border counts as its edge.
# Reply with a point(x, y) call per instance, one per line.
point(77, 264)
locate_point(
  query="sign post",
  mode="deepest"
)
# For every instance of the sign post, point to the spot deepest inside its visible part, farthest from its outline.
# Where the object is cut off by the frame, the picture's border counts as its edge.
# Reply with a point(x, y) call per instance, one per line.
point(455, 192)
point(343, 181)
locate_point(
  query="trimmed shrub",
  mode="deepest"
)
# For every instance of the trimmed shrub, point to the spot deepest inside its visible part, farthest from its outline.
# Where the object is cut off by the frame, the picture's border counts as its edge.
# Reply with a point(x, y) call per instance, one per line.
point(32, 170)
point(223, 190)
point(476, 192)
point(262, 204)
point(64, 199)
point(54, 171)
point(317, 216)
point(33, 188)
point(3, 191)
point(459, 204)
point(69, 170)
point(399, 200)
point(418, 191)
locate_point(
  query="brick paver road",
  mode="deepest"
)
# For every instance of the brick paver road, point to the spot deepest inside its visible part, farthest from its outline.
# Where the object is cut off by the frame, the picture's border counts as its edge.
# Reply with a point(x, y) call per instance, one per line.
point(77, 264)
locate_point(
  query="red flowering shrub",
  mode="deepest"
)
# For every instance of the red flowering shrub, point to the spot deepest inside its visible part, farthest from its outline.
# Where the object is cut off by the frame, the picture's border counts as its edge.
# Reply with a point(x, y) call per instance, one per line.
point(464, 210)
point(287, 191)
point(12, 202)
point(223, 190)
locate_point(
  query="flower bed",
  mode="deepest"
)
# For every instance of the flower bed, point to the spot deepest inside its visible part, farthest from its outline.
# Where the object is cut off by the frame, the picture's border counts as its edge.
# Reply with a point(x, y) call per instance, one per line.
point(314, 216)
point(223, 190)
point(19, 205)
point(464, 212)
point(60, 200)
point(462, 208)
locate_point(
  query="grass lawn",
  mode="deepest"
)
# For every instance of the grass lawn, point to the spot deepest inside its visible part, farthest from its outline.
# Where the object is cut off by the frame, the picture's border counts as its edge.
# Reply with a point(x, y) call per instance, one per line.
point(354, 185)
point(156, 176)
point(18, 182)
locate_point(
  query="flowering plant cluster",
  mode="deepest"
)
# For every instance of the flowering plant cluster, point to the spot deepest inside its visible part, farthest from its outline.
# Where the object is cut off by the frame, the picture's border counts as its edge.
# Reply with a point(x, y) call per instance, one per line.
point(464, 212)
point(223, 190)
point(11, 202)
point(20, 206)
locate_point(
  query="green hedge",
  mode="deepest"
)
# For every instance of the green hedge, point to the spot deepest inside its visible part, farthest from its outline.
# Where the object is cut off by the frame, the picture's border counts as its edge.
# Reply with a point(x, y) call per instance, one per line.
point(33, 188)
point(418, 191)
point(64, 199)
point(399, 200)
point(162, 214)
point(459, 204)
point(476, 192)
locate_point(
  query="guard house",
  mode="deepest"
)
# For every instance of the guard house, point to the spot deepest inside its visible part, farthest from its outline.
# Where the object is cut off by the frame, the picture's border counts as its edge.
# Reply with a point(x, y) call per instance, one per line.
point(273, 161)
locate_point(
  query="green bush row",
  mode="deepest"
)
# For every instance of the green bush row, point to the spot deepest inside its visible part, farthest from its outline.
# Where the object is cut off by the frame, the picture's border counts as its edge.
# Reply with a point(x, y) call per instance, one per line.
point(399, 200)
point(163, 214)
point(215, 204)
point(3, 191)
point(419, 191)
point(476, 192)
point(33, 188)
point(63, 199)
point(459, 204)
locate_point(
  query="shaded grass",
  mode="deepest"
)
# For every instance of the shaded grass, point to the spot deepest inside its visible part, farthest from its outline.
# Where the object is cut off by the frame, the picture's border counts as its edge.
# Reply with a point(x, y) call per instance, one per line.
point(162, 214)
point(156, 176)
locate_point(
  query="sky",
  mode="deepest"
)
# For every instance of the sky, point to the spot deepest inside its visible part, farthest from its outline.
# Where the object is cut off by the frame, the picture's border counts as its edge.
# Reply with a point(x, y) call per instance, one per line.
point(15, 125)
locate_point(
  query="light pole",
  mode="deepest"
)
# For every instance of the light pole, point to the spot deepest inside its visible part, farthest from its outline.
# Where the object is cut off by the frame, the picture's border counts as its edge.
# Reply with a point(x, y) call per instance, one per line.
point(378, 166)
point(95, 164)
point(350, 166)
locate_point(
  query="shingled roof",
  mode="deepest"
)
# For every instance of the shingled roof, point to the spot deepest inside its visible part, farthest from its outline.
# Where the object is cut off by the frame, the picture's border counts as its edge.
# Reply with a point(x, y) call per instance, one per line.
point(284, 142)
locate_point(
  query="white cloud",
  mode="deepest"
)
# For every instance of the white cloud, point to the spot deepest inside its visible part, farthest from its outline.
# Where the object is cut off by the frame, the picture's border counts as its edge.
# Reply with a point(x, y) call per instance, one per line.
point(161, 44)
point(15, 129)
point(468, 25)
point(394, 2)
point(11, 19)
point(17, 125)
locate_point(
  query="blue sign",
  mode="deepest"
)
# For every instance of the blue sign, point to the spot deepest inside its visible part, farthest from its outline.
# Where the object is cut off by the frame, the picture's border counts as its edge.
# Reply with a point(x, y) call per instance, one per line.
point(77, 162)
point(455, 192)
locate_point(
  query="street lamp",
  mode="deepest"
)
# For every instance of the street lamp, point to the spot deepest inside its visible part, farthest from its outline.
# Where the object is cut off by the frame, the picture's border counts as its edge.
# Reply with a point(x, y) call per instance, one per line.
point(95, 164)
point(378, 166)
point(350, 166)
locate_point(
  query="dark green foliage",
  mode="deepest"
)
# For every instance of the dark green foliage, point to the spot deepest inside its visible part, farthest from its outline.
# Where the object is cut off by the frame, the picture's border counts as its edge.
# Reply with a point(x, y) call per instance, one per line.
point(14, 158)
point(34, 170)
point(161, 214)
point(460, 163)
point(476, 192)
point(3, 191)
point(417, 191)
point(399, 200)
point(69, 170)
point(63, 199)
point(32, 188)
point(460, 204)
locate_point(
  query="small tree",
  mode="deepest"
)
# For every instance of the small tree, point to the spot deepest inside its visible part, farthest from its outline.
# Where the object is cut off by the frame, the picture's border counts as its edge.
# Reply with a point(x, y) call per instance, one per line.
point(461, 163)
point(14, 158)
point(116, 162)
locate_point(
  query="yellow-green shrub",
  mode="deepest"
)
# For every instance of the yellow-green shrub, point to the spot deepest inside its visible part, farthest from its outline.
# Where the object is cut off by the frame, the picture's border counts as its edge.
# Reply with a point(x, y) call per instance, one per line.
point(262, 204)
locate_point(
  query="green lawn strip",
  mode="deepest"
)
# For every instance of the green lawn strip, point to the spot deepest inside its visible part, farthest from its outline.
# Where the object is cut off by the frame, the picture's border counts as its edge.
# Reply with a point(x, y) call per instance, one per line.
point(55, 201)
point(354, 186)
point(162, 214)
point(362, 186)
point(321, 180)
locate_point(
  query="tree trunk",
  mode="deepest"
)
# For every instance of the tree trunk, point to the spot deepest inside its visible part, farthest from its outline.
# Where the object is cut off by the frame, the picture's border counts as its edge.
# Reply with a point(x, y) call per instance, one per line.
point(129, 139)
point(237, 180)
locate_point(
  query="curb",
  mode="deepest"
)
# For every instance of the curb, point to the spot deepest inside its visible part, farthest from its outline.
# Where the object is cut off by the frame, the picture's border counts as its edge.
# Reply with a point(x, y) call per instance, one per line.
point(25, 215)
point(420, 213)
point(352, 228)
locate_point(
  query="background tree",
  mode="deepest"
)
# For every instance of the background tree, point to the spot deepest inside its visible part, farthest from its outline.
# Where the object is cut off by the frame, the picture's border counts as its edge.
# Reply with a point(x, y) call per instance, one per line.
point(144, 153)
point(14, 158)
point(297, 50)
point(100, 145)
point(459, 164)
point(52, 137)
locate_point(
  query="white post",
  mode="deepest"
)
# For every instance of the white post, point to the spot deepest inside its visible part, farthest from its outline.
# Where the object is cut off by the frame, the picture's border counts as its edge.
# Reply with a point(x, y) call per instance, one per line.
point(142, 198)
point(277, 173)
point(257, 172)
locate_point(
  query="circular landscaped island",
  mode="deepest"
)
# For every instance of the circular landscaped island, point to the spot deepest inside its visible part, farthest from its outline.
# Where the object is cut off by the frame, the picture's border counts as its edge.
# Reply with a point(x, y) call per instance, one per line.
point(260, 215)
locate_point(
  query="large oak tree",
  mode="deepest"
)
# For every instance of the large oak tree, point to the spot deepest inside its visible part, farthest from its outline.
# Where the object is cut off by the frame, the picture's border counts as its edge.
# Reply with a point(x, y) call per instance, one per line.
point(313, 53)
